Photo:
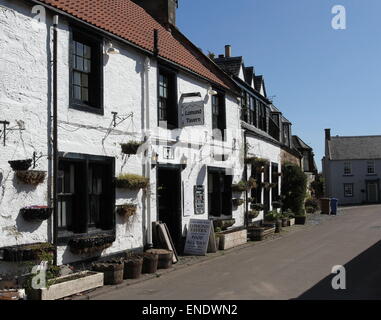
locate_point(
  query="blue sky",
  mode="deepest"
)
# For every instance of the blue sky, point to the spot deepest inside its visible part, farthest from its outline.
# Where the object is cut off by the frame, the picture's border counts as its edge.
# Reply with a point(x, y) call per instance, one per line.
point(321, 77)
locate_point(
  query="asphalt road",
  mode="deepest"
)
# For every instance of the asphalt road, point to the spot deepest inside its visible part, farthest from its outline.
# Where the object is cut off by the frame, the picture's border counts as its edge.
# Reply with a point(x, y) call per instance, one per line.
point(297, 266)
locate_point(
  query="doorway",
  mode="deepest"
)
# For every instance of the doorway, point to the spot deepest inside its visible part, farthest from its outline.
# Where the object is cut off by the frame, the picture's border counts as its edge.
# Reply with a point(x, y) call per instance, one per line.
point(169, 201)
point(372, 192)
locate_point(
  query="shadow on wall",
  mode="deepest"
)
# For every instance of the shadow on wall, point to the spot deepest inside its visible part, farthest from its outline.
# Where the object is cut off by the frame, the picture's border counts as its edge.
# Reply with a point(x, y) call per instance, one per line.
point(26, 226)
point(363, 279)
point(21, 187)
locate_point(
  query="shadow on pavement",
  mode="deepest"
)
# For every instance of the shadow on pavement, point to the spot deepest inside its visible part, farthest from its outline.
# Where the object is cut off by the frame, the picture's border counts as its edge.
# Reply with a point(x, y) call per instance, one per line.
point(363, 279)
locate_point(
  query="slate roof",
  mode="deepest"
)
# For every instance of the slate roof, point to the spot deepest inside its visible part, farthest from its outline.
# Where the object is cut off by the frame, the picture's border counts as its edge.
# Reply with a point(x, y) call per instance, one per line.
point(129, 21)
point(230, 65)
point(355, 148)
point(300, 144)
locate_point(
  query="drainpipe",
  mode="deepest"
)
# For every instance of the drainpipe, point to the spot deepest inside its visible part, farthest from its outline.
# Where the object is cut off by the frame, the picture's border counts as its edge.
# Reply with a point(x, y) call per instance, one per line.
point(246, 179)
point(55, 135)
point(147, 67)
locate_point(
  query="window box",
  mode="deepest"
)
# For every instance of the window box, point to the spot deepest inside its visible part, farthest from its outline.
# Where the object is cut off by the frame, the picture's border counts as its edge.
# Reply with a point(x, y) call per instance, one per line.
point(91, 243)
point(31, 177)
point(36, 213)
point(20, 165)
point(132, 182)
point(26, 252)
point(131, 147)
point(232, 238)
point(68, 285)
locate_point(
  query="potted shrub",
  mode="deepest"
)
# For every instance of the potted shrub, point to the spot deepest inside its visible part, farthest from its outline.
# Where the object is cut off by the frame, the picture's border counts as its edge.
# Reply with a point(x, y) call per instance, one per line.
point(112, 270)
point(312, 205)
point(90, 244)
point(238, 202)
point(31, 177)
point(20, 165)
point(275, 217)
point(36, 213)
point(165, 257)
point(252, 214)
point(127, 210)
point(133, 266)
point(131, 147)
point(131, 181)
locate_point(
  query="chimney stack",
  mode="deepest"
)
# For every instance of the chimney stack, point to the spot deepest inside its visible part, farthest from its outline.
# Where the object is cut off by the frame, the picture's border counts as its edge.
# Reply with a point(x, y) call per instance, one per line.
point(162, 10)
point(328, 134)
point(228, 51)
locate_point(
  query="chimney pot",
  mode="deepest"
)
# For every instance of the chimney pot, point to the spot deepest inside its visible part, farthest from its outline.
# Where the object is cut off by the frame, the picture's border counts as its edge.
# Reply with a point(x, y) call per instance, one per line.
point(228, 51)
point(327, 134)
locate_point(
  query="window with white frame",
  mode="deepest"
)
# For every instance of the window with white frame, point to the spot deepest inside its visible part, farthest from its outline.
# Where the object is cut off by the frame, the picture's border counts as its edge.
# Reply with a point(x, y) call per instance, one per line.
point(370, 167)
point(348, 190)
point(347, 168)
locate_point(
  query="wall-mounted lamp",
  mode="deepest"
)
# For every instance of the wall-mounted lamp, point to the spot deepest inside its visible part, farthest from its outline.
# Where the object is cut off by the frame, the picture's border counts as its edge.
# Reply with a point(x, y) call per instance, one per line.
point(212, 92)
point(111, 50)
point(154, 159)
point(184, 161)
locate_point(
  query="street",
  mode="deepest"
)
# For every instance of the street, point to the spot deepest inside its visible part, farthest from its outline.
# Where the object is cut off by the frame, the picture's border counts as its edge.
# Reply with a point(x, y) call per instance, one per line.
point(297, 266)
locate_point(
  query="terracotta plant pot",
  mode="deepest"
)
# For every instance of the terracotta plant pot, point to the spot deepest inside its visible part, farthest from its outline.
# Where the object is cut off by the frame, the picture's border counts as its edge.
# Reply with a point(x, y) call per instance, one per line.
point(20, 165)
point(112, 270)
point(165, 258)
point(133, 267)
point(150, 263)
point(36, 213)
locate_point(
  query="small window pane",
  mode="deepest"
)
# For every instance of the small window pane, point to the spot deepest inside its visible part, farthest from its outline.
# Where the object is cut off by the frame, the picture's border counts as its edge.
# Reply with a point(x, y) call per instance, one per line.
point(77, 92)
point(79, 49)
point(87, 52)
point(85, 80)
point(86, 65)
point(79, 63)
point(85, 94)
point(77, 78)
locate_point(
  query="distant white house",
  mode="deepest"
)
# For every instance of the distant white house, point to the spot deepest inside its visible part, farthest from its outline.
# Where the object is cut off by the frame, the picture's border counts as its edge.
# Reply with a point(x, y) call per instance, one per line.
point(352, 168)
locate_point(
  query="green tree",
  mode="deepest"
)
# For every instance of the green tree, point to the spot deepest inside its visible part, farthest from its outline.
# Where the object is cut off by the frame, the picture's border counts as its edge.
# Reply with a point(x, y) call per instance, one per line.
point(294, 188)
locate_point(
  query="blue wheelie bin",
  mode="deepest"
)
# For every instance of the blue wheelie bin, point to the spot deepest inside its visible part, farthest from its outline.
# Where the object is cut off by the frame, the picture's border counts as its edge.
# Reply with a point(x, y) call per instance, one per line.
point(334, 203)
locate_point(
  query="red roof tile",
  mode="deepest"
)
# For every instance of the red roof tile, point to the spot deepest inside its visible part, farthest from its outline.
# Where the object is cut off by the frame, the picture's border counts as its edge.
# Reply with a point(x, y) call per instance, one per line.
point(129, 21)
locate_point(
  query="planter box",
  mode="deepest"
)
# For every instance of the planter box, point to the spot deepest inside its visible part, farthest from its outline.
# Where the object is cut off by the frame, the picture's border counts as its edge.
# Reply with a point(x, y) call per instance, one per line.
point(68, 286)
point(261, 233)
point(291, 222)
point(300, 220)
point(232, 239)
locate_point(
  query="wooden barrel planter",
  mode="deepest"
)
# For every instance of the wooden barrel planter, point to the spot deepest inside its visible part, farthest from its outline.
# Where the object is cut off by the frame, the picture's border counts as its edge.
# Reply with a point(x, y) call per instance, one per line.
point(164, 258)
point(20, 165)
point(260, 233)
point(112, 270)
point(133, 266)
point(150, 263)
point(36, 213)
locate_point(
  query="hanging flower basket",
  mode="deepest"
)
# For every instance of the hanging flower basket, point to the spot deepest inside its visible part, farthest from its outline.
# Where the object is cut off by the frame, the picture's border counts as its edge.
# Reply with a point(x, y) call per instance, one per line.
point(20, 165)
point(252, 214)
point(91, 243)
point(238, 202)
point(127, 210)
point(239, 187)
point(131, 181)
point(257, 206)
point(252, 183)
point(26, 252)
point(36, 213)
point(130, 147)
point(223, 224)
point(31, 177)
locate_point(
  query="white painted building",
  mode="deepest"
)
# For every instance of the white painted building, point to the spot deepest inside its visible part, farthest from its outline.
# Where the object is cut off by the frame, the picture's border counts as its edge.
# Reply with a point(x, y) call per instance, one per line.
point(352, 168)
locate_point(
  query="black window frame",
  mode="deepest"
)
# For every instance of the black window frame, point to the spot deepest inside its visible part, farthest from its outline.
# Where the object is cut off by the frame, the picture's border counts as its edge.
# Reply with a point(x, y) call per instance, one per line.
point(80, 222)
point(172, 112)
point(353, 190)
point(221, 117)
point(224, 201)
point(96, 78)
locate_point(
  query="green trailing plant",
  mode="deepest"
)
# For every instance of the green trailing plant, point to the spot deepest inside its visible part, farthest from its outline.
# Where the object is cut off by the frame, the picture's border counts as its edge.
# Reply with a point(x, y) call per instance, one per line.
point(238, 202)
point(131, 181)
point(130, 147)
point(294, 188)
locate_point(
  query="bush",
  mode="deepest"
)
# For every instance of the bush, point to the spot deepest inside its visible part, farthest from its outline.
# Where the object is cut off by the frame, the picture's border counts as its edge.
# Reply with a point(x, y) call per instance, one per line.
point(273, 216)
point(294, 188)
point(313, 203)
point(131, 181)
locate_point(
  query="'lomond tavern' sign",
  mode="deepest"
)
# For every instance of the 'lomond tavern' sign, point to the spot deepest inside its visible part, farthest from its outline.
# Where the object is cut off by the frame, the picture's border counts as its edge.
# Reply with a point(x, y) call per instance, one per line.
point(193, 114)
